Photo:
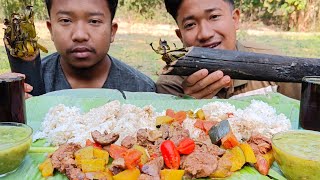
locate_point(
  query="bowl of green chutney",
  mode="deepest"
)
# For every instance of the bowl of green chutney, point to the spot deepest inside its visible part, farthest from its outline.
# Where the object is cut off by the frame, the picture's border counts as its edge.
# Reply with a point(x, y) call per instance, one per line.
point(297, 153)
point(15, 141)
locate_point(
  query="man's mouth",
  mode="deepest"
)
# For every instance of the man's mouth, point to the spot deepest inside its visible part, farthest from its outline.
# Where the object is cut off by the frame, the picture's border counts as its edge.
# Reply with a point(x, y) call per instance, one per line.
point(212, 45)
point(81, 52)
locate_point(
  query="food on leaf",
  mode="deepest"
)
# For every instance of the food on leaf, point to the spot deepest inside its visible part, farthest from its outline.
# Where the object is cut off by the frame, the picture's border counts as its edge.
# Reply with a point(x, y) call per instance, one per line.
point(146, 153)
point(186, 146)
point(219, 131)
point(170, 154)
point(248, 153)
point(238, 159)
point(160, 120)
point(129, 174)
point(200, 114)
point(132, 158)
point(224, 167)
point(116, 151)
point(171, 174)
point(229, 141)
point(93, 165)
point(46, 168)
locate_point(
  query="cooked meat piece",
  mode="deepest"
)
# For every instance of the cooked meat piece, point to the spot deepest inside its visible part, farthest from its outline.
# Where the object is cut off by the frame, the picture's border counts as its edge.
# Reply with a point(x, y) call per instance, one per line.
point(153, 167)
point(107, 148)
point(208, 147)
point(142, 137)
point(259, 143)
point(203, 144)
point(128, 142)
point(153, 135)
point(154, 149)
point(199, 164)
point(75, 174)
point(117, 166)
point(224, 165)
point(165, 129)
point(147, 177)
point(178, 133)
point(63, 157)
point(104, 139)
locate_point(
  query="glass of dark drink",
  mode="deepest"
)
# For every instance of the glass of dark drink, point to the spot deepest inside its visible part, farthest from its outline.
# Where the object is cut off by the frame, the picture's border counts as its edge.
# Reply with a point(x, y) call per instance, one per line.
point(12, 102)
point(310, 103)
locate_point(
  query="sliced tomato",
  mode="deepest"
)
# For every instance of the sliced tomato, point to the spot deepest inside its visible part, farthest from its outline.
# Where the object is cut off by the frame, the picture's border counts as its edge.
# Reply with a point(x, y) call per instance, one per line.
point(132, 158)
point(204, 125)
point(116, 151)
point(170, 112)
point(229, 141)
point(94, 144)
point(180, 116)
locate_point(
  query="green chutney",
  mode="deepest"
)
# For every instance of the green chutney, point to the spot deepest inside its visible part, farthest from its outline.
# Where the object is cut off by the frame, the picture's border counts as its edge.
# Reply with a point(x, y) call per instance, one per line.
point(15, 142)
point(298, 154)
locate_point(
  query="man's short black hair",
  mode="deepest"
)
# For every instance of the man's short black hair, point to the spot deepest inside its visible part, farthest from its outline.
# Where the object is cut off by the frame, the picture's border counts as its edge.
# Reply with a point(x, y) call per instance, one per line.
point(173, 6)
point(111, 3)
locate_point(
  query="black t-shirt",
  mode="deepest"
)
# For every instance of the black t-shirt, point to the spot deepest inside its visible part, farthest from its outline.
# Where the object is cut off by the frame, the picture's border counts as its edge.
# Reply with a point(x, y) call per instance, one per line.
point(121, 76)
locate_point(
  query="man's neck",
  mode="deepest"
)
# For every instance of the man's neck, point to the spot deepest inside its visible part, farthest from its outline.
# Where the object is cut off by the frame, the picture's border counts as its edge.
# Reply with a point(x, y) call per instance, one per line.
point(93, 77)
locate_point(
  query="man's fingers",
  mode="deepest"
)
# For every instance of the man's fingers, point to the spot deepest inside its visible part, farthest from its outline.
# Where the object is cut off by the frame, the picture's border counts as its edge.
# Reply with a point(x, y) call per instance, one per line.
point(27, 95)
point(211, 90)
point(204, 83)
point(27, 88)
point(195, 77)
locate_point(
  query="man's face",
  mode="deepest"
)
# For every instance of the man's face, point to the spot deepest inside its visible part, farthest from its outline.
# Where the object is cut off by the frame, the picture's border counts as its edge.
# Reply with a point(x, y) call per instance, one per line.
point(207, 23)
point(81, 31)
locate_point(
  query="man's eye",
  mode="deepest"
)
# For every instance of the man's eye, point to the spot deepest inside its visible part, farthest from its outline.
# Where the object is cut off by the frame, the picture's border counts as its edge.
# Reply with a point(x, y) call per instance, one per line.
point(65, 21)
point(95, 21)
point(214, 17)
point(189, 25)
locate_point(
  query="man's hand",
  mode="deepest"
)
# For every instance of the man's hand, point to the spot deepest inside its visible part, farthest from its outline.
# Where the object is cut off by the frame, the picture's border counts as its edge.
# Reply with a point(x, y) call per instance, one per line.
point(202, 85)
point(27, 88)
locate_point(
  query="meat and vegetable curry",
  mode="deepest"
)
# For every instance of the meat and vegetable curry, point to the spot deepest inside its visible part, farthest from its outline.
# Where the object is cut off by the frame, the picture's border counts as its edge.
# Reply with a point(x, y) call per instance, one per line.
point(167, 152)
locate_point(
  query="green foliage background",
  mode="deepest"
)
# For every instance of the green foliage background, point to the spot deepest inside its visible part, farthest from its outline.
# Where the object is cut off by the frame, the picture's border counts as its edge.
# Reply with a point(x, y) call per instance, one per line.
point(297, 15)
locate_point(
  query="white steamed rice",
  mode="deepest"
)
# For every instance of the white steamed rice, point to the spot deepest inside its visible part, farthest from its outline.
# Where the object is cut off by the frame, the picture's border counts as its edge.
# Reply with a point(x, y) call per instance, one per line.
point(64, 124)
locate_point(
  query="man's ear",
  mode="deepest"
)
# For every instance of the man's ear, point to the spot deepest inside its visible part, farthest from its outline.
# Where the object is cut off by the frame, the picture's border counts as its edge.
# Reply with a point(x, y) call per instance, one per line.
point(114, 28)
point(49, 26)
point(178, 33)
point(236, 18)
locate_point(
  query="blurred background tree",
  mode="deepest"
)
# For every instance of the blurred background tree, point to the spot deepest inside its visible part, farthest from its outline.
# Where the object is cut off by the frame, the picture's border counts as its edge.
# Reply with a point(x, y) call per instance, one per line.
point(289, 15)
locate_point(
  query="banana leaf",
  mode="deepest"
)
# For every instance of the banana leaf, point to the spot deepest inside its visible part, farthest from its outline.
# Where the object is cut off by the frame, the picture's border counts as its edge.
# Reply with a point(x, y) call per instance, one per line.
point(86, 99)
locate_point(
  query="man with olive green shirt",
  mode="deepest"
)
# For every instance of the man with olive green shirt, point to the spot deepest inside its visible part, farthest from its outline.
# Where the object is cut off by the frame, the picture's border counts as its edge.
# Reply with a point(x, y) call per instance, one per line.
point(213, 24)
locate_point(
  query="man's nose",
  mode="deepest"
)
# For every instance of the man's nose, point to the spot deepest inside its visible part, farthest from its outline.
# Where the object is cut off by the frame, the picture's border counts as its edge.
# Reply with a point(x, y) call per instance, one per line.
point(205, 32)
point(80, 32)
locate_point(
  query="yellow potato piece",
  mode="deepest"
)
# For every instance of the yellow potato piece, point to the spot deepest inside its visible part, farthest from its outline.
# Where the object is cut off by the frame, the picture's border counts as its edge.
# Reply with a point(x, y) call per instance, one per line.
point(93, 165)
point(46, 168)
point(248, 153)
point(224, 167)
point(129, 174)
point(200, 114)
point(164, 120)
point(101, 154)
point(84, 153)
point(238, 159)
point(171, 174)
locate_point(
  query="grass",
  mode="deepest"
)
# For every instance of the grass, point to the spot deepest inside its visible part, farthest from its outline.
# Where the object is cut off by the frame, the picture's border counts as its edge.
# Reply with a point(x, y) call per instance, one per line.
point(133, 47)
